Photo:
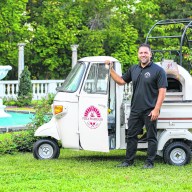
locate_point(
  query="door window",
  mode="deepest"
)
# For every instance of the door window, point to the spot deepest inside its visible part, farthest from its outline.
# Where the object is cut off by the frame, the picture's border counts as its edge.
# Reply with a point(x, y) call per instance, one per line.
point(97, 79)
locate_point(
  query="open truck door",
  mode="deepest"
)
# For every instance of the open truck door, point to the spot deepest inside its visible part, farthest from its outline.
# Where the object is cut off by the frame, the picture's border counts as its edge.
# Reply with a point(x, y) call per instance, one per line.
point(93, 109)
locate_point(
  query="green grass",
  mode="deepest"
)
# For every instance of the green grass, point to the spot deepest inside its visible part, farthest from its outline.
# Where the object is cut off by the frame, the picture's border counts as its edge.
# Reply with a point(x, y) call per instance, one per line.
point(86, 171)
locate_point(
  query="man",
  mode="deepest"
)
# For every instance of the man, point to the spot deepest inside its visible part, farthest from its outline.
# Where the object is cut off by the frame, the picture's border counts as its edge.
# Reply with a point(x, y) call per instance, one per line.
point(149, 88)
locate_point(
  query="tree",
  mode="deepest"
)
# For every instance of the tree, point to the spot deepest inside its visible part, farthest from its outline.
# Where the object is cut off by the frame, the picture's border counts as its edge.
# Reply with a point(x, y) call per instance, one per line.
point(175, 9)
point(25, 88)
point(102, 27)
point(107, 31)
point(53, 35)
point(13, 30)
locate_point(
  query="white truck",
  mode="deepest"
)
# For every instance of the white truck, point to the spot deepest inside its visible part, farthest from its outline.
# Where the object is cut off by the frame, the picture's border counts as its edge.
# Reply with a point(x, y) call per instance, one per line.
point(90, 112)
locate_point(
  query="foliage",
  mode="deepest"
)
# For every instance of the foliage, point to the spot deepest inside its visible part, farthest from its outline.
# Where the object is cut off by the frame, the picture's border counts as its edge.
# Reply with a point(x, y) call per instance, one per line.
point(173, 9)
point(106, 34)
point(52, 36)
point(9, 101)
point(143, 14)
point(90, 172)
point(42, 112)
point(23, 140)
point(25, 88)
point(101, 27)
point(13, 30)
point(7, 146)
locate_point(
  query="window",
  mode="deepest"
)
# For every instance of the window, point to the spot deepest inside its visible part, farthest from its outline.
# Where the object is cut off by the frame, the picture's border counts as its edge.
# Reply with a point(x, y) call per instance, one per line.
point(73, 80)
point(97, 79)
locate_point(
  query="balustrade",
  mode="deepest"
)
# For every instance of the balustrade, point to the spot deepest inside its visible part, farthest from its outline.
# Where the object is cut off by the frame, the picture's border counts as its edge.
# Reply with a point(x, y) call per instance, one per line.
point(40, 88)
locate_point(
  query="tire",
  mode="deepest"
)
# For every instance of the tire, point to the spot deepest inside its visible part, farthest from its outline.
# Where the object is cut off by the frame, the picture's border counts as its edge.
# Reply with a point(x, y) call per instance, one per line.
point(46, 149)
point(177, 153)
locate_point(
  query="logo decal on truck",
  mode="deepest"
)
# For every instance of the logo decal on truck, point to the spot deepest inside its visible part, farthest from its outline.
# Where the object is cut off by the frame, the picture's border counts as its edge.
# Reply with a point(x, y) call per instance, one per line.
point(92, 117)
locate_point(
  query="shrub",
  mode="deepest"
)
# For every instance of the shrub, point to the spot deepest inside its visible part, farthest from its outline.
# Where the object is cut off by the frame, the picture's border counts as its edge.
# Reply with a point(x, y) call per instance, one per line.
point(24, 140)
point(42, 112)
point(50, 98)
point(6, 144)
point(9, 101)
point(25, 89)
point(21, 141)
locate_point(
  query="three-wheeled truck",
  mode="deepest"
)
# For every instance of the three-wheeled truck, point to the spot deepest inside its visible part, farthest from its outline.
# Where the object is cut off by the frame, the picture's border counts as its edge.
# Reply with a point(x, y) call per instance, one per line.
point(90, 112)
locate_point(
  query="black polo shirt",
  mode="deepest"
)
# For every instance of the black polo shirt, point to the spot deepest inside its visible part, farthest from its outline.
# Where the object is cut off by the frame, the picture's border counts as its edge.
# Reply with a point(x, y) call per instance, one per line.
point(146, 83)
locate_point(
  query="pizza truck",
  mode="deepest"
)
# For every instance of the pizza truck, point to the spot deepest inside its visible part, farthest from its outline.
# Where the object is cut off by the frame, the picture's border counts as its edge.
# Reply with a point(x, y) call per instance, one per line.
point(90, 112)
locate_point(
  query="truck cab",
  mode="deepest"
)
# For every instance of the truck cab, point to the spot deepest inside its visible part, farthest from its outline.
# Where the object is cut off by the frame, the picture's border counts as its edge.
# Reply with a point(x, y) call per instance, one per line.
point(86, 108)
point(89, 97)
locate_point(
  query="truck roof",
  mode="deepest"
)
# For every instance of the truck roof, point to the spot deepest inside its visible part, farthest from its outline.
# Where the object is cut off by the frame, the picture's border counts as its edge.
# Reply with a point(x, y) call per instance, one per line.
point(98, 59)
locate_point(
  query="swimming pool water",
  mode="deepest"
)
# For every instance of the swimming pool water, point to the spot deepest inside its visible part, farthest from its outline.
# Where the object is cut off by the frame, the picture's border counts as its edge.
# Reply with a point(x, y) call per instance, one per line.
point(16, 119)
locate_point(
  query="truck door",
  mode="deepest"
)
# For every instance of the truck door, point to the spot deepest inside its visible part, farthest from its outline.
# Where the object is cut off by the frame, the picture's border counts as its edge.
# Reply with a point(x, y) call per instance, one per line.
point(93, 109)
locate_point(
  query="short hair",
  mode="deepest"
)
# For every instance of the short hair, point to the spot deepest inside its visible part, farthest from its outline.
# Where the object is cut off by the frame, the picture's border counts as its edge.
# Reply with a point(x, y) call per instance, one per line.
point(145, 45)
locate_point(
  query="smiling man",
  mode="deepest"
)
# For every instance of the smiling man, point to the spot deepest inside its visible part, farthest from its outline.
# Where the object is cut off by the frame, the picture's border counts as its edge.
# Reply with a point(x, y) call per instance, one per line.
point(149, 88)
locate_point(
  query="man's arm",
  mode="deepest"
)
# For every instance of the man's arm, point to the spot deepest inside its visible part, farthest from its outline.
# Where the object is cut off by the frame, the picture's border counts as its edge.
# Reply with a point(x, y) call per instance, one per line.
point(155, 112)
point(118, 79)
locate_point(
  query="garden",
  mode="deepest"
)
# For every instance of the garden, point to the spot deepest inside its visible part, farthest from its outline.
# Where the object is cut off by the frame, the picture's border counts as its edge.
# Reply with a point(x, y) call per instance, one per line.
point(49, 28)
point(78, 170)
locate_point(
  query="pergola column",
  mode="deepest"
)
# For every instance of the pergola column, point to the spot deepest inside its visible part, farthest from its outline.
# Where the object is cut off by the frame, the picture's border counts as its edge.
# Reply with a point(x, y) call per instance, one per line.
point(20, 58)
point(74, 54)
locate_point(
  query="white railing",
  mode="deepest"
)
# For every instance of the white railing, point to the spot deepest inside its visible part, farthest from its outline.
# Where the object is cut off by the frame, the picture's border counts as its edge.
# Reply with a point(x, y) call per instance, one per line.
point(128, 91)
point(41, 88)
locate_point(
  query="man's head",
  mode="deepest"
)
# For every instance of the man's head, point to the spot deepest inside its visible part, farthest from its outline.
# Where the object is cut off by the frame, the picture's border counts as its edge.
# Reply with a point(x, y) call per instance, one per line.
point(144, 54)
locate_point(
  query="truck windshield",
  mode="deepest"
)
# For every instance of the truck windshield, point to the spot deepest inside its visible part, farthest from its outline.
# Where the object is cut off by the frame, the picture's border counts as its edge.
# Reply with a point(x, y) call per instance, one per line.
point(73, 80)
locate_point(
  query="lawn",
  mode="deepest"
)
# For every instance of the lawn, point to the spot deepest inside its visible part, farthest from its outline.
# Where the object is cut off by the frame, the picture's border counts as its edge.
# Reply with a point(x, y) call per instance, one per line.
point(84, 171)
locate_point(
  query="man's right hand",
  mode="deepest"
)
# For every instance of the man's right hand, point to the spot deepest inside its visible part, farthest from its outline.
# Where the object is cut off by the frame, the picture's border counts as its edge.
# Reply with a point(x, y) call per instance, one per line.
point(117, 78)
point(109, 63)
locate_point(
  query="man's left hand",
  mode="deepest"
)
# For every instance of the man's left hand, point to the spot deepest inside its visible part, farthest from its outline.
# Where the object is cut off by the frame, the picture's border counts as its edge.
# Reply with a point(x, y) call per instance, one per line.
point(154, 114)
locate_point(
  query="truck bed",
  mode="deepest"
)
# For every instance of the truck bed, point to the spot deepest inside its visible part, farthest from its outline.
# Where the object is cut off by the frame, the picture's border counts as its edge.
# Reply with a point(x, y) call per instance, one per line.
point(174, 115)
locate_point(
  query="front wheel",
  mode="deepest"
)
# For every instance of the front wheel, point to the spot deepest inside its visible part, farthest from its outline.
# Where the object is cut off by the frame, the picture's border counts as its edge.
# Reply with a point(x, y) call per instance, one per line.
point(177, 153)
point(46, 149)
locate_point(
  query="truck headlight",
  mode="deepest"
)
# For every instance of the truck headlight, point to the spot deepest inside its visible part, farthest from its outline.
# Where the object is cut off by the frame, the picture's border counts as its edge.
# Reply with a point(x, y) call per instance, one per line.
point(57, 109)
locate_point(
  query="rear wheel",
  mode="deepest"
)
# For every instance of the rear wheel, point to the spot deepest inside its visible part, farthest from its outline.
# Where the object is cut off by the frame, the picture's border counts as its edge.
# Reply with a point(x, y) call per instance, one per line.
point(46, 149)
point(177, 153)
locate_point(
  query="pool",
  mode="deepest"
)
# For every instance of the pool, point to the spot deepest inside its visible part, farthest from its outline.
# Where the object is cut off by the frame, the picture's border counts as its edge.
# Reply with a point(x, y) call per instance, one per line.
point(16, 119)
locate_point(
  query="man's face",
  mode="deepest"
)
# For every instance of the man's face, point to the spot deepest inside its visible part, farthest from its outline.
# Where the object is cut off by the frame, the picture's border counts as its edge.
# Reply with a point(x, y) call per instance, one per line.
point(144, 55)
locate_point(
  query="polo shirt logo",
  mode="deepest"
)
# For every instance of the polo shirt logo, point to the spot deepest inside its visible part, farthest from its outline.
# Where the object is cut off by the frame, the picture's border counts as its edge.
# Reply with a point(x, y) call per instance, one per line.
point(147, 75)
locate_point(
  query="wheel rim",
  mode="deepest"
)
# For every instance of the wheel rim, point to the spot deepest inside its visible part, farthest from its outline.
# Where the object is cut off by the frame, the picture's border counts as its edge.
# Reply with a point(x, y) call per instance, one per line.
point(45, 151)
point(178, 156)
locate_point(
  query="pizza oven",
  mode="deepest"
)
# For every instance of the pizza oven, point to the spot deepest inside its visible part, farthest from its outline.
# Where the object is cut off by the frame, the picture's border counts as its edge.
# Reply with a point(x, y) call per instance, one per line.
point(179, 82)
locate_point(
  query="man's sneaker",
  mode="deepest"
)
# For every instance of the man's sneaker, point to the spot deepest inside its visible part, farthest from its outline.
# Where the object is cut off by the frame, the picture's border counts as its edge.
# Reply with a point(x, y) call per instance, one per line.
point(148, 166)
point(125, 164)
